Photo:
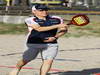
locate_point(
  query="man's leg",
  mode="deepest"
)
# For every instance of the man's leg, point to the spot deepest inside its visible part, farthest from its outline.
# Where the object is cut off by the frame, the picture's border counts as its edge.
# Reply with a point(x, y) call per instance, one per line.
point(46, 65)
point(19, 65)
point(48, 55)
point(29, 54)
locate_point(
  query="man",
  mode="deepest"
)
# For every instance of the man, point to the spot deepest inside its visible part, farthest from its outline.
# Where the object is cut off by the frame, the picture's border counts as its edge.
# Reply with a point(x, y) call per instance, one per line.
point(44, 30)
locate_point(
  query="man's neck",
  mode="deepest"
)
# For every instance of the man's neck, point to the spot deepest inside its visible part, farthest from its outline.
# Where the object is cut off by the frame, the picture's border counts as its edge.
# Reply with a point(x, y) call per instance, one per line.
point(41, 17)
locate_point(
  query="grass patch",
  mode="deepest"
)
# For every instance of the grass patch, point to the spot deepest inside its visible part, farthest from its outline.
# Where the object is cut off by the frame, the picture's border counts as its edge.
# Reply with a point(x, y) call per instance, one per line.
point(12, 28)
point(92, 29)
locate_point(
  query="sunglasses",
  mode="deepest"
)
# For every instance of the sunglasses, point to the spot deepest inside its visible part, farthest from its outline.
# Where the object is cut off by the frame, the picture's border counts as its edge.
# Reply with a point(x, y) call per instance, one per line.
point(45, 9)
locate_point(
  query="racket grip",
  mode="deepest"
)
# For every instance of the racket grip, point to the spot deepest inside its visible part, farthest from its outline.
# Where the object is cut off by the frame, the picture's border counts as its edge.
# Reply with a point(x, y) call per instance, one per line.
point(70, 23)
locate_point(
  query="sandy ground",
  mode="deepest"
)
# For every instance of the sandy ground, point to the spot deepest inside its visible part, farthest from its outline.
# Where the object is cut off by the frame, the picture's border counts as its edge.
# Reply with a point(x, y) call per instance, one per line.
point(77, 56)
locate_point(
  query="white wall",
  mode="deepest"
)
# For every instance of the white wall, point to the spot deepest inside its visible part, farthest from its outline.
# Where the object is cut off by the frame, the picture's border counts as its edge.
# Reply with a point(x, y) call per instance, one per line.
point(12, 19)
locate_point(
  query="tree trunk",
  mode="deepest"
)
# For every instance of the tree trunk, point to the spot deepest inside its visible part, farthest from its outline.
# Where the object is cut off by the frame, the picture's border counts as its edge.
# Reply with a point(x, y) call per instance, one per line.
point(15, 2)
point(24, 2)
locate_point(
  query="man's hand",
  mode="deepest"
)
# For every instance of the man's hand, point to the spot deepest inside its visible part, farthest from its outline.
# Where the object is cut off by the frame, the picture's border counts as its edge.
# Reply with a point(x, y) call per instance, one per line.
point(62, 26)
point(50, 39)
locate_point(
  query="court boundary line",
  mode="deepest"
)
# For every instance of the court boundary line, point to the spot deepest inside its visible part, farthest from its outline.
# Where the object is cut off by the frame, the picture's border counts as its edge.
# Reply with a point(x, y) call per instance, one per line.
point(30, 68)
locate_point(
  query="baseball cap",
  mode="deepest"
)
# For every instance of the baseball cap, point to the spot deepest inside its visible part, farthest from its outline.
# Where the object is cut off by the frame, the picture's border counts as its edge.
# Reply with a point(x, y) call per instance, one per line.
point(40, 7)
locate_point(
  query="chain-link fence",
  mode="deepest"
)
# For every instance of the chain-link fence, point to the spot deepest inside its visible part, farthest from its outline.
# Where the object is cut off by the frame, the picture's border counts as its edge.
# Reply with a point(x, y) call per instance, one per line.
point(16, 7)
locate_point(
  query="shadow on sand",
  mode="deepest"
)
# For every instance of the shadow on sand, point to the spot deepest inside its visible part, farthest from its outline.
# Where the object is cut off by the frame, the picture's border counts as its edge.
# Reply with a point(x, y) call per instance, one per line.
point(83, 72)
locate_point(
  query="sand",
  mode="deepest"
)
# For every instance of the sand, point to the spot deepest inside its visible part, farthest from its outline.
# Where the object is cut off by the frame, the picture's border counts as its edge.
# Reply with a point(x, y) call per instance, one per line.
point(77, 56)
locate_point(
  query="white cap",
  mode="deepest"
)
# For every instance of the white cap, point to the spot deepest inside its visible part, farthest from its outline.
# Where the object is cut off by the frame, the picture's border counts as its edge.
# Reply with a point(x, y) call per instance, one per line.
point(33, 8)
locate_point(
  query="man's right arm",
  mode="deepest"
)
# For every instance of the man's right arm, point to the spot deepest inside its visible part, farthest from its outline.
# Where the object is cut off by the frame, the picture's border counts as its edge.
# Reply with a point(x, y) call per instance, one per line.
point(46, 28)
point(36, 26)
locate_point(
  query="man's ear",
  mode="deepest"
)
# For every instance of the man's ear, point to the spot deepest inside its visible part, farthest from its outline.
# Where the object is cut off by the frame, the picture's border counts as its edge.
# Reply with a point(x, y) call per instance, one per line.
point(33, 11)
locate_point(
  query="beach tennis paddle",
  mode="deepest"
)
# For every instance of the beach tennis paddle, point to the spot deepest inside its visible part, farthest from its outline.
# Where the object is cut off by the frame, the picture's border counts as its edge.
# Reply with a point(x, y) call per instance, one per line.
point(79, 20)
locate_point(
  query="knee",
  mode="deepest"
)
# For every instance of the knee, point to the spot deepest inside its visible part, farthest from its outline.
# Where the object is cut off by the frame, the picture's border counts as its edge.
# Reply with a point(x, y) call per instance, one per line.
point(48, 61)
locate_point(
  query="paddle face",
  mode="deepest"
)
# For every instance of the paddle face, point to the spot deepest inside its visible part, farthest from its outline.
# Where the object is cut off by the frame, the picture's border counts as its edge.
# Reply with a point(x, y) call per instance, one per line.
point(80, 20)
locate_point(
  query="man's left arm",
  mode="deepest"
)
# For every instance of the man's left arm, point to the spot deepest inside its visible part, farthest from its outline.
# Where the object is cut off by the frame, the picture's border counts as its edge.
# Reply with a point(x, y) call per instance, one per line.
point(61, 32)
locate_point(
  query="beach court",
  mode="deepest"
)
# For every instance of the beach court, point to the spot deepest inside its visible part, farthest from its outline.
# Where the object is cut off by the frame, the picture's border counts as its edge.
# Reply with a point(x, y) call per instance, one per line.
point(77, 56)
